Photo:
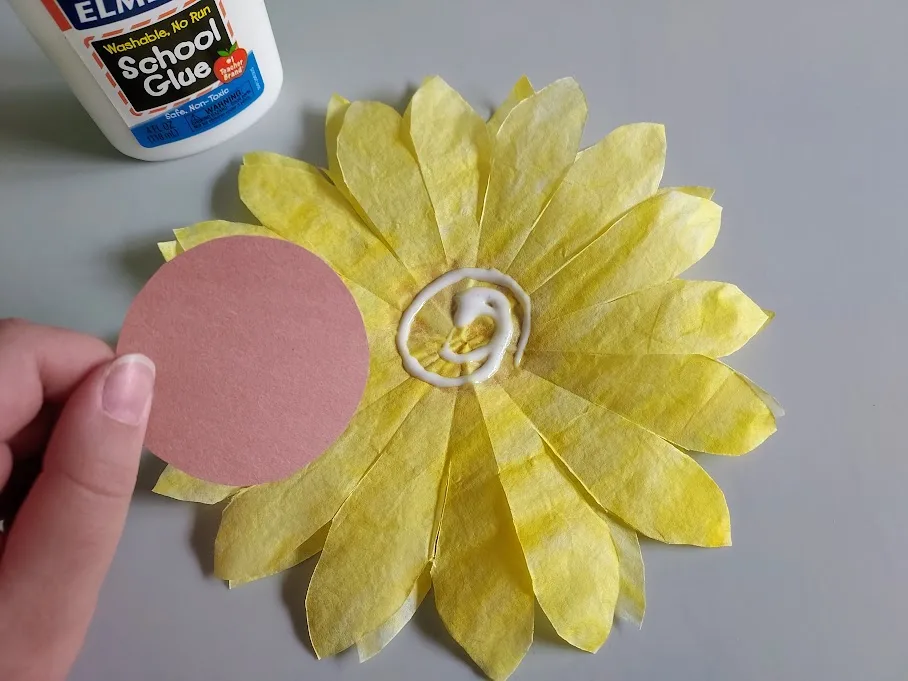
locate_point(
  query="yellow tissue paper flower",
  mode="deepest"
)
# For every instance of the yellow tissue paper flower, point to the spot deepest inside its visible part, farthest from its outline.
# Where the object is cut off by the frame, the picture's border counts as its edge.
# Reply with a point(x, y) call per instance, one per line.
point(470, 246)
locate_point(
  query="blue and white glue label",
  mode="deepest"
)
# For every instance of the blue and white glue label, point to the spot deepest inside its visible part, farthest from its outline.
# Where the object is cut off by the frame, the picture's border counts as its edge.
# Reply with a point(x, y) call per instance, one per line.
point(172, 68)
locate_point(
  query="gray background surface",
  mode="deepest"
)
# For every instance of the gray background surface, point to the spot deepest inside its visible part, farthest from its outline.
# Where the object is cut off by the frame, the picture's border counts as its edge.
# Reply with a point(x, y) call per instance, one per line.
point(794, 110)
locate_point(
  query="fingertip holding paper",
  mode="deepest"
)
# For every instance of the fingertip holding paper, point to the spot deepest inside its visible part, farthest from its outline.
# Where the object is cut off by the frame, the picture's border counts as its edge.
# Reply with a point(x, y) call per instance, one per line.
point(262, 359)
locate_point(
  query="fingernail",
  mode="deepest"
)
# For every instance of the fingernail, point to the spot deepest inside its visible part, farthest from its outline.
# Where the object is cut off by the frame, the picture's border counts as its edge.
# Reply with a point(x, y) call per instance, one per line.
point(128, 387)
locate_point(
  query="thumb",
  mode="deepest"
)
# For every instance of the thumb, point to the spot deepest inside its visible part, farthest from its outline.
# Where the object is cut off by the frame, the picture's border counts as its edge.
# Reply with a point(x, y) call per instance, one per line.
point(65, 535)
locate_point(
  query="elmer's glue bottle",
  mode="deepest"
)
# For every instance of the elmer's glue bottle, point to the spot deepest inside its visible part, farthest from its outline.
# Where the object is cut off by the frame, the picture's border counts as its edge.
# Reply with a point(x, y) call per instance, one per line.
point(162, 78)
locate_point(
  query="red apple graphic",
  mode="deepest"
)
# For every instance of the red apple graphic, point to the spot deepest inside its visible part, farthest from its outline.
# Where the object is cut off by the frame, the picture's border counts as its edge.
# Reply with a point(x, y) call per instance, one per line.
point(231, 63)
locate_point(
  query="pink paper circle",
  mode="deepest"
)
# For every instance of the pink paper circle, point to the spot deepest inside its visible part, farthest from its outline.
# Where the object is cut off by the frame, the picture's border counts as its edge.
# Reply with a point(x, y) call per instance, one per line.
point(261, 359)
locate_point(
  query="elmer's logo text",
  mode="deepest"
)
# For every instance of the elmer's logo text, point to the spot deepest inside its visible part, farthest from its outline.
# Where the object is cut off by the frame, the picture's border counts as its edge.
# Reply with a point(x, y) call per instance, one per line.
point(84, 14)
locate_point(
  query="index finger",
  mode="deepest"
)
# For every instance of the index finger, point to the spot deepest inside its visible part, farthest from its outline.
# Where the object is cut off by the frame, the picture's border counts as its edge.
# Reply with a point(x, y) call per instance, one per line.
point(41, 363)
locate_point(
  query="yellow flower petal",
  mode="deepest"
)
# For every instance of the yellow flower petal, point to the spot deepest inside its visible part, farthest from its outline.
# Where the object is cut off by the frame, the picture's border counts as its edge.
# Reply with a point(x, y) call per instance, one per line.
point(522, 89)
point(454, 151)
point(382, 538)
point(655, 241)
point(676, 318)
point(303, 207)
point(533, 150)
point(377, 314)
point(694, 401)
point(634, 474)
point(264, 524)
point(771, 402)
point(701, 192)
point(270, 158)
point(169, 249)
point(483, 591)
point(385, 180)
point(181, 486)
point(631, 604)
point(203, 232)
point(385, 369)
point(567, 545)
point(607, 179)
point(303, 552)
point(334, 121)
point(374, 642)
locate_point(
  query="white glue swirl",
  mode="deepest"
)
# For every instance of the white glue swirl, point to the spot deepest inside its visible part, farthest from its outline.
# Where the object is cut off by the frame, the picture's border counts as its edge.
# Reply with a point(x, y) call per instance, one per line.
point(469, 306)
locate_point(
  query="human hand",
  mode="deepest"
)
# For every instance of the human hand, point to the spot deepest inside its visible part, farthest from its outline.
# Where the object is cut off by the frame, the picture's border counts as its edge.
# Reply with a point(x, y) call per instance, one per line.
point(63, 394)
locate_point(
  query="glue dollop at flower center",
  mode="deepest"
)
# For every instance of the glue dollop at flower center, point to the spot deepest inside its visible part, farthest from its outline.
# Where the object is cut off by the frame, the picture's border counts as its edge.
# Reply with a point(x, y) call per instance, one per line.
point(470, 304)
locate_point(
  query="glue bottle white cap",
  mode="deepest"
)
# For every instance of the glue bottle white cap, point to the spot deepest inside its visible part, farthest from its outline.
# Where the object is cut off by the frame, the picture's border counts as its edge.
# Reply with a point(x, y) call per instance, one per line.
point(162, 79)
